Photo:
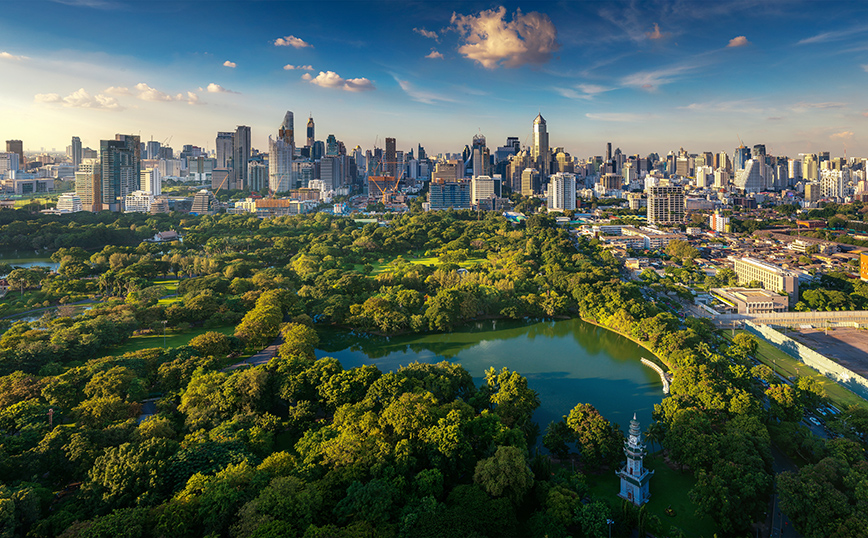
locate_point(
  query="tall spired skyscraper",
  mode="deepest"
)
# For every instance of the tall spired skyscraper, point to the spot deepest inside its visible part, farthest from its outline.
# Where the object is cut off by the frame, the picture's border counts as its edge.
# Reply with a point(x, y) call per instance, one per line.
point(287, 129)
point(541, 153)
point(310, 133)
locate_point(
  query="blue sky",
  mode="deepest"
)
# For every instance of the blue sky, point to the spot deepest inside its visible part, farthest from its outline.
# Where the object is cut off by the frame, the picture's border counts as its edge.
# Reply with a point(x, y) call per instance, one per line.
point(647, 76)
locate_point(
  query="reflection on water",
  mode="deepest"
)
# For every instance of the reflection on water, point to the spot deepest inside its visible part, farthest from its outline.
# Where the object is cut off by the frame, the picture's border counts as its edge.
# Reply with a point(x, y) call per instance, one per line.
point(566, 362)
point(27, 258)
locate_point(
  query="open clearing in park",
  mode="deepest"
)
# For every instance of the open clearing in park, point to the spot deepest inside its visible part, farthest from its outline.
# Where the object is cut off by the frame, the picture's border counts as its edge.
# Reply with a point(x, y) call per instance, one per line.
point(669, 488)
point(145, 341)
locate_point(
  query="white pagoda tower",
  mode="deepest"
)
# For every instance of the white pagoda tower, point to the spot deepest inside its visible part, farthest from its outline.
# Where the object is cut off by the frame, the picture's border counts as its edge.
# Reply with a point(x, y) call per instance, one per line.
point(634, 476)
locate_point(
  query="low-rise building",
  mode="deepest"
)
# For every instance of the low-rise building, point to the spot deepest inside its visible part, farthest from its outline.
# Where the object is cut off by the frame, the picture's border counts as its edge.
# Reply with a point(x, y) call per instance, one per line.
point(773, 277)
point(752, 300)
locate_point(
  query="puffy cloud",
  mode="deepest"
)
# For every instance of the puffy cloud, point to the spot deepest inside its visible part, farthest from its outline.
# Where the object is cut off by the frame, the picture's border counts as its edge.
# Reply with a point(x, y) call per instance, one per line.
point(656, 34)
point(80, 99)
point(426, 33)
point(330, 79)
point(118, 90)
point(492, 41)
point(146, 93)
point(8, 56)
point(843, 135)
point(291, 41)
point(216, 88)
point(227, 63)
point(434, 55)
point(192, 98)
point(290, 67)
point(739, 41)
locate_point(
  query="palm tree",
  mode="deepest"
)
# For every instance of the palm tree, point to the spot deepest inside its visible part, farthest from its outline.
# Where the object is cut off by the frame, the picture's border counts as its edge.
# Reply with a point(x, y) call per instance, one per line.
point(654, 434)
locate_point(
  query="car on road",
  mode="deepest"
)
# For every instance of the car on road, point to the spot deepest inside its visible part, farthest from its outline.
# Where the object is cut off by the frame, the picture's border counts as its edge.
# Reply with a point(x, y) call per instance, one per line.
point(815, 421)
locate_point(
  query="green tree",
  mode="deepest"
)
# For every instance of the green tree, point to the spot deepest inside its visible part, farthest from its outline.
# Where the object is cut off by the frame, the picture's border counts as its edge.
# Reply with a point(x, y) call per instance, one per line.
point(505, 474)
point(598, 441)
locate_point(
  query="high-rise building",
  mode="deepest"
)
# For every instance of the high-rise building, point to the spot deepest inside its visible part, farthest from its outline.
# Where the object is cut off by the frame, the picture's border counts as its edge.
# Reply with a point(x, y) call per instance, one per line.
point(240, 156)
point(332, 148)
point(541, 146)
point(152, 149)
point(750, 178)
point(530, 182)
point(120, 169)
point(88, 184)
point(76, 152)
point(833, 182)
point(151, 181)
point(759, 151)
point(742, 155)
point(16, 146)
point(287, 129)
point(482, 188)
point(718, 222)
point(562, 191)
point(391, 168)
point(225, 143)
point(810, 167)
point(9, 163)
point(280, 165)
point(449, 195)
point(310, 133)
point(665, 204)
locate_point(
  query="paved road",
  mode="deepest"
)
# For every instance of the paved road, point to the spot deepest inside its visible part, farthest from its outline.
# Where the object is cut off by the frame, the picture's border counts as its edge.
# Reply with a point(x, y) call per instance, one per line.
point(780, 524)
point(261, 357)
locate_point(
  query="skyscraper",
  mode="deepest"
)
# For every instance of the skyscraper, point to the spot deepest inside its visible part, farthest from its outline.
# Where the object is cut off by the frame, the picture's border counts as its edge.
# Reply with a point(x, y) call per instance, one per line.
point(120, 169)
point(287, 129)
point(88, 185)
point(310, 132)
point(152, 149)
point(16, 146)
point(541, 146)
point(742, 155)
point(562, 192)
point(76, 152)
point(332, 148)
point(240, 156)
point(391, 158)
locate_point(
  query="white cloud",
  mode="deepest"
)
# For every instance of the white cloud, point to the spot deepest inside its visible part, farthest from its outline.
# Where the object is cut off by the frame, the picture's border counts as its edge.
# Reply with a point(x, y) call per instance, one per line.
point(651, 80)
point(836, 35)
point(585, 91)
point(80, 99)
point(865, 67)
point(227, 63)
point(620, 117)
point(426, 33)
point(291, 41)
point(146, 93)
point(434, 55)
point(493, 41)
point(429, 98)
point(739, 41)
point(290, 67)
point(192, 98)
point(8, 56)
point(843, 135)
point(330, 79)
point(118, 90)
point(216, 88)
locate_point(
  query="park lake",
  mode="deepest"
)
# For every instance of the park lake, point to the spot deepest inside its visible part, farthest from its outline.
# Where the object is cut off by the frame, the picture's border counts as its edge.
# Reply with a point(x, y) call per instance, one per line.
point(567, 362)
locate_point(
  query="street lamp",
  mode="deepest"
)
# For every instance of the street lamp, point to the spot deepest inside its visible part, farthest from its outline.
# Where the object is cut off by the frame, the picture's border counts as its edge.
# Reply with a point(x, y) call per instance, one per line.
point(609, 522)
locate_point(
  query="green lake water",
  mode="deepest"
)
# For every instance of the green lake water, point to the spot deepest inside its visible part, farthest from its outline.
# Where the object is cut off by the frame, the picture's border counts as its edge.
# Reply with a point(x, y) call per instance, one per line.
point(27, 258)
point(567, 362)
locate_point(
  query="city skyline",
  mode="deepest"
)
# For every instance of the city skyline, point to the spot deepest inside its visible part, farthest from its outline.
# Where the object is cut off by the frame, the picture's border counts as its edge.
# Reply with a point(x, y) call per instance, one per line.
point(647, 77)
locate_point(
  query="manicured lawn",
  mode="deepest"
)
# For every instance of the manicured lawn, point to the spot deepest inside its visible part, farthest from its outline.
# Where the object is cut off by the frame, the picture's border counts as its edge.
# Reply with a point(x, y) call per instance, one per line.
point(668, 488)
point(170, 285)
point(140, 342)
point(789, 366)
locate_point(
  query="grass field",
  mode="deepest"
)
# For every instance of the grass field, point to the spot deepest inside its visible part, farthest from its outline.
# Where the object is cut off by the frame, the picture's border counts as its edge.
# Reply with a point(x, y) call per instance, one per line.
point(387, 266)
point(146, 341)
point(788, 366)
point(668, 488)
point(171, 287)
